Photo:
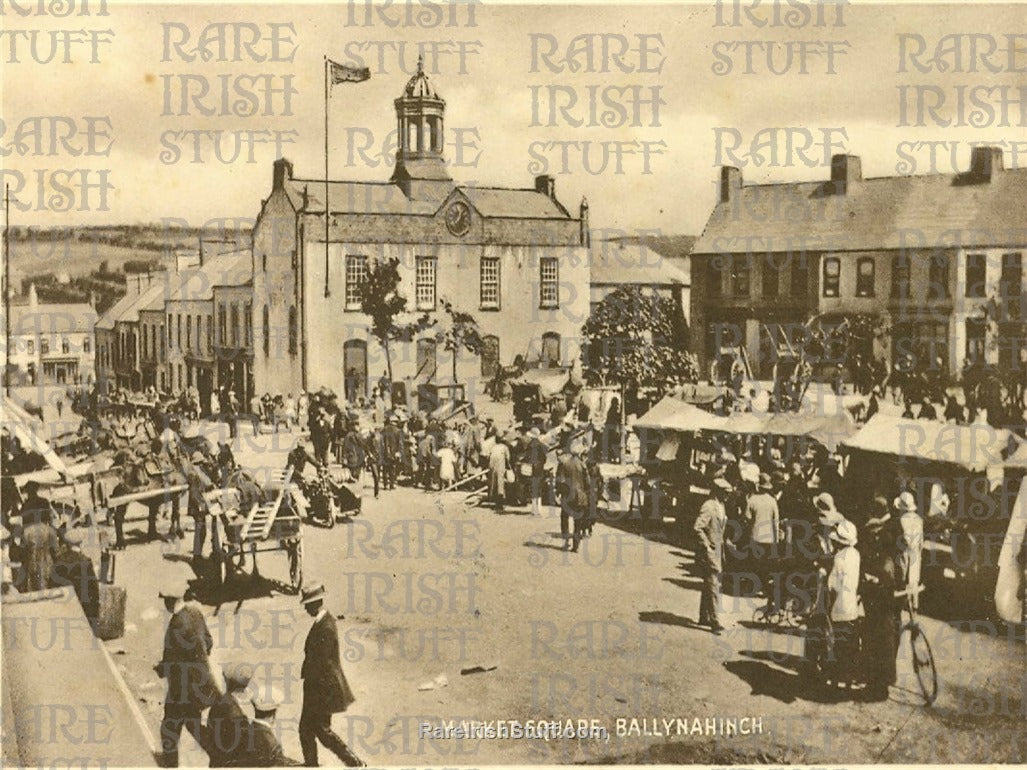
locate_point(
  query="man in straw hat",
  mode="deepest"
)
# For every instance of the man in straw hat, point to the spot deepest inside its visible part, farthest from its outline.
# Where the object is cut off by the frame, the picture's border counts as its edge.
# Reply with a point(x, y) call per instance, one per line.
point(709, 526)
point(185, 666)
point(763, 520)
point(325, 689)
point(843, 598)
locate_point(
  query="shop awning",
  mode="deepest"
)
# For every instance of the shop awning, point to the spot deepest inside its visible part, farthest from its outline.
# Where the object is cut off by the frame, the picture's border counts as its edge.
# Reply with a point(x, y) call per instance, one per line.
point(672, 414)
point(974, 447)
point(830, 430)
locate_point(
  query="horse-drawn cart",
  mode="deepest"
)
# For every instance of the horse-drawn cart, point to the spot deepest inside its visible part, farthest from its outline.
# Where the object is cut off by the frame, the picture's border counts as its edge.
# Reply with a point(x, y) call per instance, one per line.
point(273, 524)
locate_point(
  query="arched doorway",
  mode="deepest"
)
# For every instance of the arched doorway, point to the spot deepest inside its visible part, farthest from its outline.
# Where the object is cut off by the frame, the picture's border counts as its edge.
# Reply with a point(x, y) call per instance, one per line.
point(550, 350)
point(354, 368)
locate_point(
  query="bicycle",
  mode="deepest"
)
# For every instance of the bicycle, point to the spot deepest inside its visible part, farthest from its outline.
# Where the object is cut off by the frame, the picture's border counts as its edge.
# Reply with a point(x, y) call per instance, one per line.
point(923, 658)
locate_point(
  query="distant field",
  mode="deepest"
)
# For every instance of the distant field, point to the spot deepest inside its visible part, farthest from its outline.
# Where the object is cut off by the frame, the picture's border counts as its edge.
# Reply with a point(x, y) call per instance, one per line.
point(78, 258)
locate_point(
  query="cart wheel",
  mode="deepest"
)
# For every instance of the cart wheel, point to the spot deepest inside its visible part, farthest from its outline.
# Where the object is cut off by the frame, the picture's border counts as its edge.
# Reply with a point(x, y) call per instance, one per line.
point(296, 565)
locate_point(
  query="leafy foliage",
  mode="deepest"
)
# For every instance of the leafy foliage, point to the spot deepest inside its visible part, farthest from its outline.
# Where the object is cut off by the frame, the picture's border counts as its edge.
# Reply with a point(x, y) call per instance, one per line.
point(382, 301)
point(460, 333)
point(635, 337)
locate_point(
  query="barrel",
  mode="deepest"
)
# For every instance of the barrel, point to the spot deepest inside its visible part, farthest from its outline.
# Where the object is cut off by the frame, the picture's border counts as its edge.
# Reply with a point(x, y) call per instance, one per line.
point(110, 621)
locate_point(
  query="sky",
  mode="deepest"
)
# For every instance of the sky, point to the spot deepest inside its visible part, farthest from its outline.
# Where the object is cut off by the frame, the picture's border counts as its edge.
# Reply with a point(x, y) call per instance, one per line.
point(847, 95)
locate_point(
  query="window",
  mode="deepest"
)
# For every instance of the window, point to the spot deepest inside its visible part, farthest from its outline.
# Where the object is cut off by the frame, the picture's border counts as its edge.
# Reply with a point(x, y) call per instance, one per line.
point(162, 346)
point(741, 275)
point(199, 333)
point(771, 277)
point(65, 345)
point(976, 275)
point(32, 347)
point(490, 283)
point(1011, 280)
point(210, 333)
point(550, 350)
point(489, 356)
point(549, 282)
point(235, 325)
point(832, 276)
point(86, 345)
point(865, 275)
point(424, 287)
point(356, 275)
point(178, 338)
point(426, 359)
point(170, 325)
point(900, 277)
point(293, 332)
point(44, 346)
point(800, 276)
point(188, 333)
point(222, 324)
point(267, 332)
point(938, 277)
point(247, 324)
point(975, 328)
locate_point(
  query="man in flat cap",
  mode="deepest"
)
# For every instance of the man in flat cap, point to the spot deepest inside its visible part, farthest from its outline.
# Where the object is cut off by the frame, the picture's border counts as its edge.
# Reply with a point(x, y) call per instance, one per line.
point(185, 666)
point(263, 748)
point(227, 724)
point(325, 689)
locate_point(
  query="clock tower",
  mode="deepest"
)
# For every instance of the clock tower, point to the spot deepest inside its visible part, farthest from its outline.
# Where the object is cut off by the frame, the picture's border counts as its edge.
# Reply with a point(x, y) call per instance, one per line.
point(420, 112)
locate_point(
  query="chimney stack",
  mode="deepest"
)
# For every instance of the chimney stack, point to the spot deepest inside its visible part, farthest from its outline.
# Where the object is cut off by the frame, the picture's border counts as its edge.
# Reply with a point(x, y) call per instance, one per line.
point(985, 162)
point(282, 172)
point(586, 233)
point(845, 169)
point(546, 185)
point(730, 183)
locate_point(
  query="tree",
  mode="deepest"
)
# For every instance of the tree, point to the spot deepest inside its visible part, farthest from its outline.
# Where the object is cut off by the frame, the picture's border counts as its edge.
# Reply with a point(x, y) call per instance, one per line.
point(381, 299)
point(461, 333)
point(634, 337)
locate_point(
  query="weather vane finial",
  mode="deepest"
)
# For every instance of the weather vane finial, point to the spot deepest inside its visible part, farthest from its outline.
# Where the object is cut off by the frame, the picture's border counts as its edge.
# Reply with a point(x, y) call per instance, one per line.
point(420, 63)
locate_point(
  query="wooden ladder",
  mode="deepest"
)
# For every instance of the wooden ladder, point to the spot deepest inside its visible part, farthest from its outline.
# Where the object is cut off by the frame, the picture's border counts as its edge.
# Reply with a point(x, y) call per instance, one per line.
point(262, 517)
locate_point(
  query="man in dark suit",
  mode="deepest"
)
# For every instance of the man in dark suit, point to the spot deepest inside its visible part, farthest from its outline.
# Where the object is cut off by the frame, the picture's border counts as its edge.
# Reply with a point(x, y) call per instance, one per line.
point(325, 689)
point(227, 724)
point(572, 483)
point(186, 668)
point(40, 543)
point(392, 437)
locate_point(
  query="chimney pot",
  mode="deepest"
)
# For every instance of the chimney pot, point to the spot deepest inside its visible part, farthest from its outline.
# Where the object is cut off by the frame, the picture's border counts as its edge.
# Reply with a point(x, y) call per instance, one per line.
point(985, 162)
point(730, 183)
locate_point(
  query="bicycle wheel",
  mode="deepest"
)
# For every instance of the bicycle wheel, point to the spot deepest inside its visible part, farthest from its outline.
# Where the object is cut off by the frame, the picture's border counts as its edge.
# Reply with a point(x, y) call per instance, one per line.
point(923, 663)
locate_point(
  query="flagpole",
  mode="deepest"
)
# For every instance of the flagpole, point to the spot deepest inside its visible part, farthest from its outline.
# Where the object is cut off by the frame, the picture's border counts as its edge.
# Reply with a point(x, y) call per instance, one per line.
point(327, 205)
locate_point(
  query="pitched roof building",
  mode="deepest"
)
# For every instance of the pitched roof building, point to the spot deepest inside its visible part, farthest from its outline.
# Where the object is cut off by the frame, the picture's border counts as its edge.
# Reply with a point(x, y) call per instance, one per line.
point(932, 257)
point(514, 258)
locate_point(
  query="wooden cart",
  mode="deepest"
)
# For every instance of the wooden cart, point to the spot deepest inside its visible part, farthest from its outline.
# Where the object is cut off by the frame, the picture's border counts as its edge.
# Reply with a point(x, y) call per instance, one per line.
point(269, 526)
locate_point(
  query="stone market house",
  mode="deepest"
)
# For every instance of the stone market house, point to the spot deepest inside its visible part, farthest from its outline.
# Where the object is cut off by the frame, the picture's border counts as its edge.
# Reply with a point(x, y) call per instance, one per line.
point(931, 256)
point(516, 259)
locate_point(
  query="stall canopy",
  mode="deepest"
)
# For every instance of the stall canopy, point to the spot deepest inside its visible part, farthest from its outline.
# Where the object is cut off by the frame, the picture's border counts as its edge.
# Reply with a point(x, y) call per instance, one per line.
point(22, 426)
point(830, 430)
point(674, 415)
point(550, 382)
point(974, 447)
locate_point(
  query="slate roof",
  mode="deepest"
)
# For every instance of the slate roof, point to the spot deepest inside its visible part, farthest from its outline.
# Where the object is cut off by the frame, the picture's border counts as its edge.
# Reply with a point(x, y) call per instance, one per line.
point(197, 283)
point(625, 262)
point(873, 214)
point(52, 318)
point(388, 198)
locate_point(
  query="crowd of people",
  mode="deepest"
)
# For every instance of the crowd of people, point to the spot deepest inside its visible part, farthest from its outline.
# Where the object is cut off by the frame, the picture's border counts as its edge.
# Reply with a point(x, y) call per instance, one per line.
point(784, 536)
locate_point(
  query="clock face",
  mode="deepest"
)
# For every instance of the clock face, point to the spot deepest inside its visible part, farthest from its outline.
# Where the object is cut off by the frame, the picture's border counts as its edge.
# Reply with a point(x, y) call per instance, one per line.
point(458, 218)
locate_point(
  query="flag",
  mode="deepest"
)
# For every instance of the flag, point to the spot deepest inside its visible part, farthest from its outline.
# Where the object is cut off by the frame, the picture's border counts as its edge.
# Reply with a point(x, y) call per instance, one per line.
point(344, 73)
